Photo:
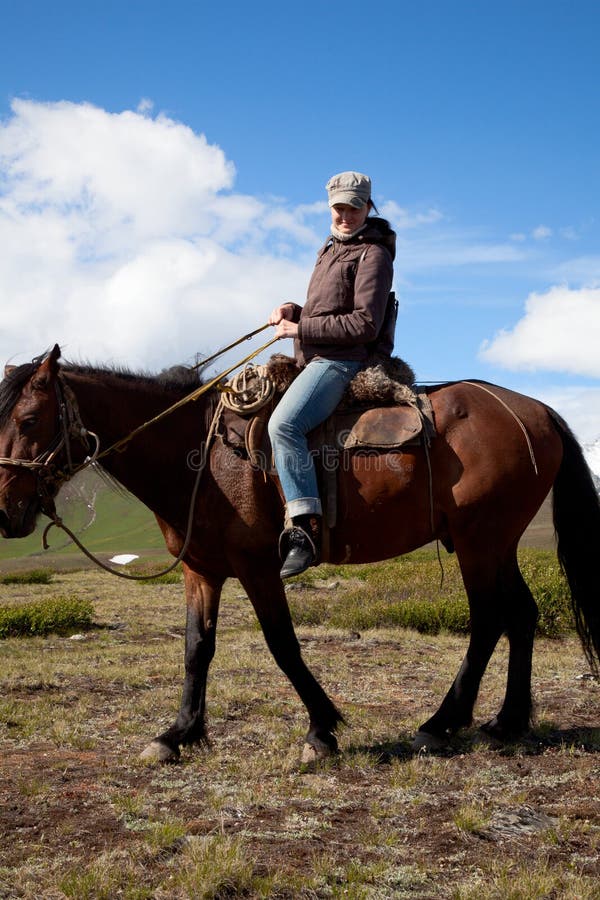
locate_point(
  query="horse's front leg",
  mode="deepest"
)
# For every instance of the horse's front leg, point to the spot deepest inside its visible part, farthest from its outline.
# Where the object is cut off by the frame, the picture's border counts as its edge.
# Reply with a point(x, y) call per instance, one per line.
point(260, 578)
point(202, 598)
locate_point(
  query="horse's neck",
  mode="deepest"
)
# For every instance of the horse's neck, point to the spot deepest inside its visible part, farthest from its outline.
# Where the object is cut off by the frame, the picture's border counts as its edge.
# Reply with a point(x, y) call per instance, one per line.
point(114, 408)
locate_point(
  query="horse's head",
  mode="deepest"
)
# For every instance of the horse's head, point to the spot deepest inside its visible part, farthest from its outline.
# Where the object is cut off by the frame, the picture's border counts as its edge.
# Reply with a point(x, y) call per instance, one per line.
point(30, 439)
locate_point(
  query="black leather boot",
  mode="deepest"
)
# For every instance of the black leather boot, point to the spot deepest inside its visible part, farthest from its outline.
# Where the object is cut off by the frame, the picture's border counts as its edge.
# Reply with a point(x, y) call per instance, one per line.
point(299, 546)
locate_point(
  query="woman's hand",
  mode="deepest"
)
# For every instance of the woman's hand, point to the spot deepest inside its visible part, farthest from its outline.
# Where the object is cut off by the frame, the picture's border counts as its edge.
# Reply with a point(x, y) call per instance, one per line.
point(286, 329)
point(281, 317)
point(285, 311)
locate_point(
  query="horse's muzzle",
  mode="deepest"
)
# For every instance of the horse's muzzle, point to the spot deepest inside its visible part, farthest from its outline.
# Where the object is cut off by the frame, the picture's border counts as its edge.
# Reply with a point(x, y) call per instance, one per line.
point(5, 529)
point(20, 523)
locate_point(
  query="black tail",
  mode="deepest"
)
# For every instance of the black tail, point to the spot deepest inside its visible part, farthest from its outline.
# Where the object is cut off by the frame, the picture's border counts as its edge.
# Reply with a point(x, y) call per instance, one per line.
point(576, 511)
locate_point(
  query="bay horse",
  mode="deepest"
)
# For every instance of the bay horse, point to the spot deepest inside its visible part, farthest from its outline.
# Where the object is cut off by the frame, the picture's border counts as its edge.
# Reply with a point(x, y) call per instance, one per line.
point(495, 458)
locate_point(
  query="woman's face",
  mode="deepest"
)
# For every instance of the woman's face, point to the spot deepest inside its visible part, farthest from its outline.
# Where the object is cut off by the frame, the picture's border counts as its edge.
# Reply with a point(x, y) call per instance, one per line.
point(348, 219)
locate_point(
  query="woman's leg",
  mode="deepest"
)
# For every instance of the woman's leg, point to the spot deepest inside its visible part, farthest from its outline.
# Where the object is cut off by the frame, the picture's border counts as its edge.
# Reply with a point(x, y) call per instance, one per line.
point(309, 400)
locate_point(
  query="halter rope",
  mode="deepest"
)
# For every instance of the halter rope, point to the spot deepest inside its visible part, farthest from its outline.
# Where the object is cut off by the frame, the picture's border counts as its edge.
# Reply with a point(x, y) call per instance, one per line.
point(57, 521)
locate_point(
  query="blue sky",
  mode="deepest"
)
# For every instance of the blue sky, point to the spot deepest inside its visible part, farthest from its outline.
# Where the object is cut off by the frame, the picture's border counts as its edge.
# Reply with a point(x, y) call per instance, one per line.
point(162, 167)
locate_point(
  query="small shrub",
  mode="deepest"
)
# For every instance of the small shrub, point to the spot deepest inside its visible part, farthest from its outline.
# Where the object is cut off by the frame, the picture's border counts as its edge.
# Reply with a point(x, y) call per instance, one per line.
point(107, 877)
point(212, 867)
point(471, 819)
point(55, 614)
point(35, 576)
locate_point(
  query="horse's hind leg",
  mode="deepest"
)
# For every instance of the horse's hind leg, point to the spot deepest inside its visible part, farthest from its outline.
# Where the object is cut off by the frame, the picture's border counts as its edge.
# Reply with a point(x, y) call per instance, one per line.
point(520, 614)
point(202, 597)
point(260, 578)
point(499, 601)
point(456, 711)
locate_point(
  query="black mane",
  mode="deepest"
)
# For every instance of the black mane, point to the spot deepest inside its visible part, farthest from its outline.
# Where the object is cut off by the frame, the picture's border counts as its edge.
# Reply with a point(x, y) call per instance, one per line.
point(177, 380)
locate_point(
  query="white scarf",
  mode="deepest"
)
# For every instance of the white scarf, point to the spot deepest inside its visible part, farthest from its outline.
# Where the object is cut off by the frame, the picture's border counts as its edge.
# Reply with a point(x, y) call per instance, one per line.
point(342, 236)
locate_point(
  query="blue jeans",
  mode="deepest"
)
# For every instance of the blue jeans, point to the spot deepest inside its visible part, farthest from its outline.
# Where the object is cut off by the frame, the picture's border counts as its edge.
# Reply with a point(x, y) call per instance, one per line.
point(309, 400)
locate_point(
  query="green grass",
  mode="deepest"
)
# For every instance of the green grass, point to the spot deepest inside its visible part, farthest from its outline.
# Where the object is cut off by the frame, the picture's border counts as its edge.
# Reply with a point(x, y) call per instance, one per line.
point(241, 818)
point(33, 576)
point(409, 592)
point(174, 577)
point(121, 524)
point(61, 615)
point(537, 880)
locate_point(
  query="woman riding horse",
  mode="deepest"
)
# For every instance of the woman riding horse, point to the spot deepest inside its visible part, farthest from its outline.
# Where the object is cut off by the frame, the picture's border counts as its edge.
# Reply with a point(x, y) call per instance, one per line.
point(334, 333)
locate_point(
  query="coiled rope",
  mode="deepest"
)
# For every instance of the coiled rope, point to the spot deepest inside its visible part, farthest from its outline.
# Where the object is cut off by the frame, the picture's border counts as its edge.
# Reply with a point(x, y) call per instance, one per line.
point(248, 391)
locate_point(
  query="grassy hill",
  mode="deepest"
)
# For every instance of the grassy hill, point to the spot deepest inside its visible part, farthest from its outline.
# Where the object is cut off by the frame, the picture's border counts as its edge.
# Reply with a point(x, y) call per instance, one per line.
point(106, 520)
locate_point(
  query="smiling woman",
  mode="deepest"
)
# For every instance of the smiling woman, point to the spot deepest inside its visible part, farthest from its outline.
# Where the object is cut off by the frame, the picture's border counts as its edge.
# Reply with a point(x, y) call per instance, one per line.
point(346, 320)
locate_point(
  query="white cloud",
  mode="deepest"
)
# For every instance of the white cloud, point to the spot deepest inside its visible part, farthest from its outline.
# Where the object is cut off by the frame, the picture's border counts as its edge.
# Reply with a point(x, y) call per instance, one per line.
point(111, 169)
point(581, 269)
point(452, 249)
point(541, 233)
point(403, 219)
point(579, 406)
point(560, 331)
point(569, 233)
point(122, 238)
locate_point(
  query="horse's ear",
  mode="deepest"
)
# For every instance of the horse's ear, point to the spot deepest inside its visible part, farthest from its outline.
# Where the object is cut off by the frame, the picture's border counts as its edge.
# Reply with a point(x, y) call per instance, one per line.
point(54, 356)
point(8, 369)
point(47, 370)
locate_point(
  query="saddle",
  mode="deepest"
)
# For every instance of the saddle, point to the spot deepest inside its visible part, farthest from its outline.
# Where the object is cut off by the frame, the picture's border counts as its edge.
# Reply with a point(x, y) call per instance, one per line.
point(380, 412)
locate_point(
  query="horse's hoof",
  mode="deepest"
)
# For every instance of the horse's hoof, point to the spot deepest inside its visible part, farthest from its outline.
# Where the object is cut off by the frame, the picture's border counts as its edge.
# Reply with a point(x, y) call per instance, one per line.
point(157, 752)
point(498, 733)
point(424, 742)
point(315, 751)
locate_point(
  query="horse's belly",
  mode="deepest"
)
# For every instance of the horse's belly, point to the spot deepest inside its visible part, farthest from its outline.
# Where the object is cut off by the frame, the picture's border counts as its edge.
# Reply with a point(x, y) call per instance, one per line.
point(383, 507)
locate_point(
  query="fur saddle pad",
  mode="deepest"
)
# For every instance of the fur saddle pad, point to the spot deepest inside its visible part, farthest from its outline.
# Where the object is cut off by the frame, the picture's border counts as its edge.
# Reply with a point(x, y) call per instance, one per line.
point(380, 411)
point(385, 381)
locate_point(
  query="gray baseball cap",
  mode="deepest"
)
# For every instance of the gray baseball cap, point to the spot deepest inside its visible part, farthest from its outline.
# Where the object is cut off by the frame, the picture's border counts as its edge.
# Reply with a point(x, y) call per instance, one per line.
point(350, 188)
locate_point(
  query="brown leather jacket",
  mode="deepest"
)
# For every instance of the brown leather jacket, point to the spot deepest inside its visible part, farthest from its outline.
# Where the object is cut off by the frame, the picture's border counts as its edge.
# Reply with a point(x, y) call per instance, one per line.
point(347, 296)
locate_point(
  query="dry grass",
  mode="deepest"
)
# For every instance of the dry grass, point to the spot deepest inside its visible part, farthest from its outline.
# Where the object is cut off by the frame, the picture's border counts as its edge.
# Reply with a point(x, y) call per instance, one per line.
point(80, 817)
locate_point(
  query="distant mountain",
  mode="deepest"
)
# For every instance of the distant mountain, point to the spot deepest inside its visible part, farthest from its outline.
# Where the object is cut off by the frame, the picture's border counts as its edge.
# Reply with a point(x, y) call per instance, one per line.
point(592, 456)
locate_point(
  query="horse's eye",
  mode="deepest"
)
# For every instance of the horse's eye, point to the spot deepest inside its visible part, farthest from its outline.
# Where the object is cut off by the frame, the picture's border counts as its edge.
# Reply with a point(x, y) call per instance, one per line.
point(28, 423)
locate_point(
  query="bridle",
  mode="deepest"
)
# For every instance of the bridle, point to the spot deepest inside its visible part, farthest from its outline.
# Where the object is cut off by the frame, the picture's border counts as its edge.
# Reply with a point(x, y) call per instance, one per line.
point(51, 474)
